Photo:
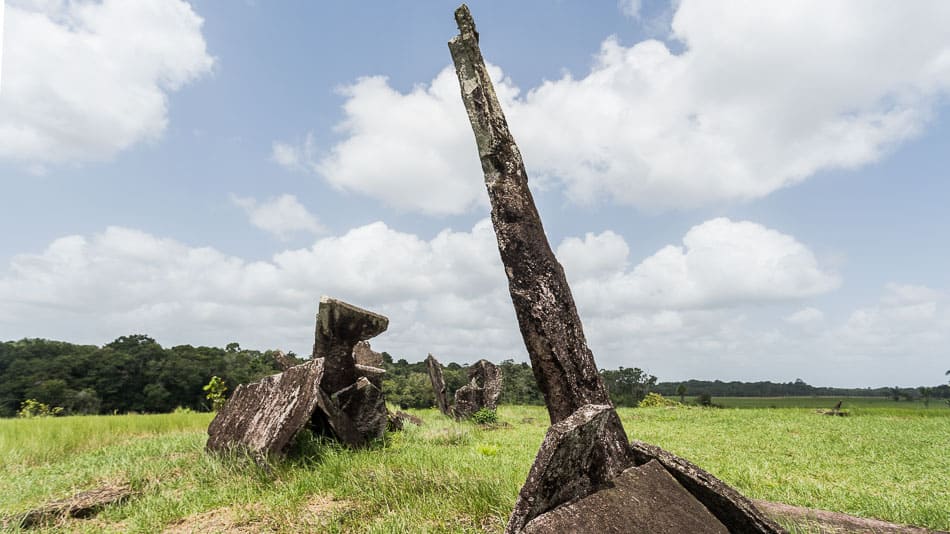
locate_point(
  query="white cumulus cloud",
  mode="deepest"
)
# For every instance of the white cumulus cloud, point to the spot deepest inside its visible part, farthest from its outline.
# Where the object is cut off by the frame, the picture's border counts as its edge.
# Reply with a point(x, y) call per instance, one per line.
point(84, 80)
point(720, 264)
point(447, 295)
point(281, 216)
point(759, 99)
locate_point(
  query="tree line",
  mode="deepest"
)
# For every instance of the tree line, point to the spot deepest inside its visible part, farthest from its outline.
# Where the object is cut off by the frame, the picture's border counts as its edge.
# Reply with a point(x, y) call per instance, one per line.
point(798, 388)
point(136, 374)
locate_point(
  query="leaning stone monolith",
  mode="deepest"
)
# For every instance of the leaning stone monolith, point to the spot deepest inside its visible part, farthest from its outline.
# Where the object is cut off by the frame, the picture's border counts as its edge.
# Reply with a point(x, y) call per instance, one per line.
point(586, 449)
point(438, 384)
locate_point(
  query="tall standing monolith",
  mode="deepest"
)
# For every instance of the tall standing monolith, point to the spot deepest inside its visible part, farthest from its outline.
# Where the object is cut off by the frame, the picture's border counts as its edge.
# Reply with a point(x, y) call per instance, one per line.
point(585, 451)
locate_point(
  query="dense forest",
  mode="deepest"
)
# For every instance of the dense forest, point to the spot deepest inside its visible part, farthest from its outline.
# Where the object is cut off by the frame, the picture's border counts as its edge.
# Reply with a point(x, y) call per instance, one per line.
point(136, 374)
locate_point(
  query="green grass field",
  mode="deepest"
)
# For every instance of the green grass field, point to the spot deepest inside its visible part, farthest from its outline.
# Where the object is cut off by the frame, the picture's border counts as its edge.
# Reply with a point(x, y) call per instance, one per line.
point(882, 462)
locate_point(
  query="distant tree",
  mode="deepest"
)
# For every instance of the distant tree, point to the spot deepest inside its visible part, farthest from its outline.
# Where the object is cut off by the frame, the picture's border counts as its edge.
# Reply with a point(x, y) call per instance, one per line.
point(681, 391)
point(627, 385)
point(895, 393)
point(926, 393)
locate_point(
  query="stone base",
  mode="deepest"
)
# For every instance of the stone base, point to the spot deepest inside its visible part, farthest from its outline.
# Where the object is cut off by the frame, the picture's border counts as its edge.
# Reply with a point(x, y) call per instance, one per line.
point(643, 499)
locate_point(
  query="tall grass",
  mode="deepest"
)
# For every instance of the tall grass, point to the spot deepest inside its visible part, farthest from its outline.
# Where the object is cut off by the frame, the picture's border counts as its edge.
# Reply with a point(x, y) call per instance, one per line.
point(451, 477)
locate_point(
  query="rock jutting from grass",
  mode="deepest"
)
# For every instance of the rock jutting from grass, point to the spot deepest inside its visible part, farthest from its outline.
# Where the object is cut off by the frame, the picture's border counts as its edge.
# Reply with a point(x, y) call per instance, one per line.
point(584, 464)
point(438, 384)
point(330, 394)
point(482, 391)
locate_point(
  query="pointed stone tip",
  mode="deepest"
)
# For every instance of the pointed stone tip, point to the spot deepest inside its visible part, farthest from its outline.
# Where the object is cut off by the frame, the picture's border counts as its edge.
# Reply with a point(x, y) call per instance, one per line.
point(465, 22)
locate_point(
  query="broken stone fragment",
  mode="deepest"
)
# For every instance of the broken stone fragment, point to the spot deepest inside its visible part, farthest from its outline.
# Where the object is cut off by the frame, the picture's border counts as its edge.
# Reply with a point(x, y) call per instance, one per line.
point(364, 408)
point(488, 376)
point(731, 507)
point(438, 384)
point(363, 354)
point(262, 417)
point(340, 326)
point(641, 499)
point(373, 374)
point(468, 399)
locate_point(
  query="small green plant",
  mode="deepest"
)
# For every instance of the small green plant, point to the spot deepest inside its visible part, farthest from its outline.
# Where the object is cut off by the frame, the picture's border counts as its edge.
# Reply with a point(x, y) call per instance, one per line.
point(34, 408)
point(215, 392)
point(655, 400)
point(485, 416)
point(183, 409)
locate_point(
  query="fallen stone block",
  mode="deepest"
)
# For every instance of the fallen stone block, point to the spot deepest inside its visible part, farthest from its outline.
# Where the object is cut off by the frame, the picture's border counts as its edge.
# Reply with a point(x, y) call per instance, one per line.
point(641, 499)
point(262, 417)
point(731, 507)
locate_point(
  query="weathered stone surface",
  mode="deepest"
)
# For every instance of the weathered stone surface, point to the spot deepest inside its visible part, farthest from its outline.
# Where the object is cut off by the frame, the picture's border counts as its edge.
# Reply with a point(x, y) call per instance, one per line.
point(641, 499)
point(563, 365)
point(364, 408)
point(438, 384)
point(487, 376)
point(363, 354)
point(727, 504)
point(262, 417)
point(482, 391)
point(373, 374)
point(340, 326)
point(571, 463)
point(468, 400)
point(331, 393)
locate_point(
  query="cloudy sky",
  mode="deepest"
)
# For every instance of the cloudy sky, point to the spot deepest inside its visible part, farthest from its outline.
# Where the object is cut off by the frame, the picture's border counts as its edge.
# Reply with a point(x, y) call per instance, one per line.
point(737, 190)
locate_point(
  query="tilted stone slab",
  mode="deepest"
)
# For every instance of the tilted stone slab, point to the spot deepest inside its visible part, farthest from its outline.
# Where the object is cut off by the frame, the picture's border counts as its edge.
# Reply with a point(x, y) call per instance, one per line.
point(727, 504)
point(263, 417)
point(643, 499)
point(438, 384)
point(340, 326)
point(573, 462)
point(362, 407)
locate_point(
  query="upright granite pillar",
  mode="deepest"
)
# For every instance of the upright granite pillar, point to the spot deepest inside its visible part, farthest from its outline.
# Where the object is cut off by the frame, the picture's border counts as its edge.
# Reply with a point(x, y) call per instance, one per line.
point(586, 465)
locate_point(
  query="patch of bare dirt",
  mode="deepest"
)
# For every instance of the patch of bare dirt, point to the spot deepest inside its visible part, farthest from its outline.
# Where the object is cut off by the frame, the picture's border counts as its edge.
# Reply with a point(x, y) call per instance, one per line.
point(226, 519)
point(312, 515)
point(825, 522)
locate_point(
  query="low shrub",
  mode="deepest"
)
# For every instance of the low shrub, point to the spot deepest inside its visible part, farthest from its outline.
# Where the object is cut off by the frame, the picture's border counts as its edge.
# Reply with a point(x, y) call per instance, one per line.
point(655, 400)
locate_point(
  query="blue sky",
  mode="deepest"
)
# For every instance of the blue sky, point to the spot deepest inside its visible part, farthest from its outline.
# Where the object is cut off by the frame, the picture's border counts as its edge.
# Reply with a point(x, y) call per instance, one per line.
point(750, 192)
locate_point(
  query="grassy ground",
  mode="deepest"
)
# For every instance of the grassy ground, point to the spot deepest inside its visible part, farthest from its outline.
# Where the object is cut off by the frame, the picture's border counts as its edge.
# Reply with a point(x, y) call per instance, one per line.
point(447, 477)
point(939, 406)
